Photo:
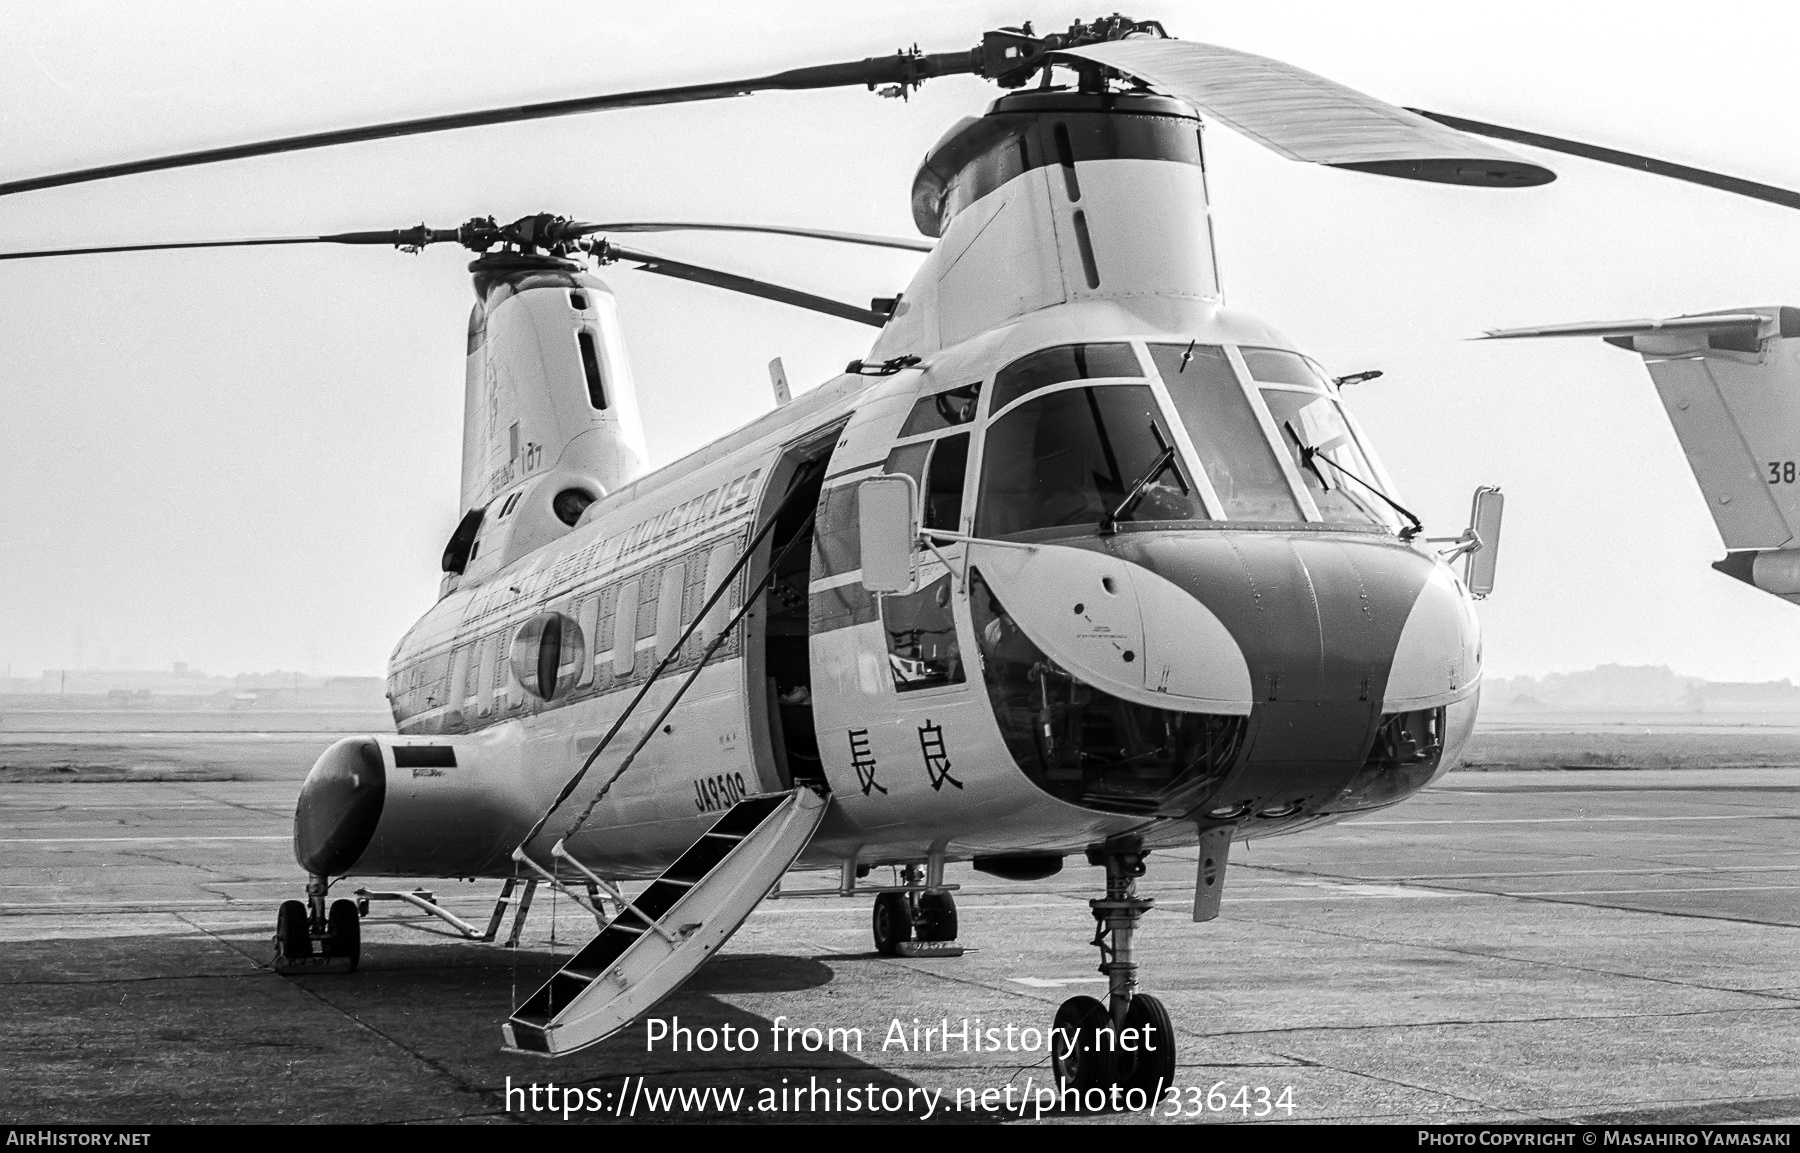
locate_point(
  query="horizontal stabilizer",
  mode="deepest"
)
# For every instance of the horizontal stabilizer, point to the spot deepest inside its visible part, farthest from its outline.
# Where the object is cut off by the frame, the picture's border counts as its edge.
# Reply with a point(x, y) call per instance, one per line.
point(1705, 322)
point(1304, 116)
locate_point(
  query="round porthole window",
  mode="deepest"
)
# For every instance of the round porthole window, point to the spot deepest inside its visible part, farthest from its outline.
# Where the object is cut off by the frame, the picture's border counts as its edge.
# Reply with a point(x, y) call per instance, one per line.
point(547, 653)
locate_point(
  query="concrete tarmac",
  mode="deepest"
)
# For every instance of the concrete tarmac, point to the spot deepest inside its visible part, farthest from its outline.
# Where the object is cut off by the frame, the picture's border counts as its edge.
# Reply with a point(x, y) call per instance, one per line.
point(1602, 946)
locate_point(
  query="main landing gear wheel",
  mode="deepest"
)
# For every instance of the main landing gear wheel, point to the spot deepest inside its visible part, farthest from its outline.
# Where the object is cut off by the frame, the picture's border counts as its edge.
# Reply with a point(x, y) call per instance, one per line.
point(937, 917)
point(344, 929)
point(293, 938)
point(893, 922)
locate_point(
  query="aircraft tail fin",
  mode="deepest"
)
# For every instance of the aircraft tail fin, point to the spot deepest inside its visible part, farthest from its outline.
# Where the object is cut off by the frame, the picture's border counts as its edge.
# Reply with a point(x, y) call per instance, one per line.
point(1730, 382)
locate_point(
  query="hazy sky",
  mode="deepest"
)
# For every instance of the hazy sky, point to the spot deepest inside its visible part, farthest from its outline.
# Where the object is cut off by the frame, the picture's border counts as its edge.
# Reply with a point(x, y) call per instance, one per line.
point(248, 459)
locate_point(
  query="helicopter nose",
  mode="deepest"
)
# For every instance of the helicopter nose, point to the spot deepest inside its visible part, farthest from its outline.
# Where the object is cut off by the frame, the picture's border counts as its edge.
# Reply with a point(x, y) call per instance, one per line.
point(1337, 632)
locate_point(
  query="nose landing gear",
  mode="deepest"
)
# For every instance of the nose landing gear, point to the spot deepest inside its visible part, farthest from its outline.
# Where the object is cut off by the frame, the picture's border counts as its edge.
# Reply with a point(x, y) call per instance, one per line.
point(310, 938)
point(1120, 1054)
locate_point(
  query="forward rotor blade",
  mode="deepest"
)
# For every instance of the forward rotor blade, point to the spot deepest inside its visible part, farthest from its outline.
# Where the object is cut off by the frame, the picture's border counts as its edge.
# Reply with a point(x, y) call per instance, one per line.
point(1304, 116)
point(1648, 164)
point(648, 262)
point(776, 229)
point(402, 238)
point(901, 68)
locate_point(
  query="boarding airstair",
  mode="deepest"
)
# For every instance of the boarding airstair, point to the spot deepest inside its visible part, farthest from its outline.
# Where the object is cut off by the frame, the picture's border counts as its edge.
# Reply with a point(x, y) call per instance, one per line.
point(670, 929)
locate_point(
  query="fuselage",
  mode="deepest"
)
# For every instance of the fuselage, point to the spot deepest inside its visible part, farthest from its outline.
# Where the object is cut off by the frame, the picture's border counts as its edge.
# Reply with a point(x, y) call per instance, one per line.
point(1173, 591)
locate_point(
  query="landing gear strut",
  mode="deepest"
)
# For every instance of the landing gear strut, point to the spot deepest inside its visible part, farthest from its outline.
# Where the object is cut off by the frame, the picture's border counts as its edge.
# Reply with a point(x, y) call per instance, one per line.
point(927, 916)
point(1127, 1043)
point(313, 938)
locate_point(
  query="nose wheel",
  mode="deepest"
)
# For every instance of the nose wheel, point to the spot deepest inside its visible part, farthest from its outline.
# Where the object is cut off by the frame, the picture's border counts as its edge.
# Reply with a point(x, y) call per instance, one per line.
point(1119, 1054)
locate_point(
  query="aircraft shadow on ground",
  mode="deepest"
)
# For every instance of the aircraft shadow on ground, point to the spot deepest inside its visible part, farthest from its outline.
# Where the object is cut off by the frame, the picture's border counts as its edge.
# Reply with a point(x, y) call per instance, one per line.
point(474, 986)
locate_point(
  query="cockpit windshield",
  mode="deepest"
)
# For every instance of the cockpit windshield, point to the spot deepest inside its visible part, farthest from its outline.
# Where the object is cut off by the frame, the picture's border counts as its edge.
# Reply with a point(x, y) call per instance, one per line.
point(1313, 428)
point(1075, 456)
point(1223, 426)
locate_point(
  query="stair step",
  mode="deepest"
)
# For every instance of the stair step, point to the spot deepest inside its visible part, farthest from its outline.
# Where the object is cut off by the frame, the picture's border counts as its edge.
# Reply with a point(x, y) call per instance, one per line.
point(576, 999)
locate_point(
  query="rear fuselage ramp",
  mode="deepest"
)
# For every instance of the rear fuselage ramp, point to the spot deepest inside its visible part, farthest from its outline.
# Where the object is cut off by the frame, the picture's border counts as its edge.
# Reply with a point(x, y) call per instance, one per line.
point(669, 930)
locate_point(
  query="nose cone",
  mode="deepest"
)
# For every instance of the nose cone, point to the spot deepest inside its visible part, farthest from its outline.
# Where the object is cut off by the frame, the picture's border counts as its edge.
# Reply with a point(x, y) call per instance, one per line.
point(1336, 629)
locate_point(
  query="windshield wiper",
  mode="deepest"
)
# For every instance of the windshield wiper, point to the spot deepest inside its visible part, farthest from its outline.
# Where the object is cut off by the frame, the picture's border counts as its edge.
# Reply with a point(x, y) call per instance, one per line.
point(1310, 457)
point(1109, 524)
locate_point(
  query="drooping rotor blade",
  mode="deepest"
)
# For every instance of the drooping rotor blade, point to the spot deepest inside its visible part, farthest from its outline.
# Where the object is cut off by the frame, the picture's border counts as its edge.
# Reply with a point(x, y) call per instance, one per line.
point(903, 69)
point(649, 262)
point(1304, 116)
point(1648, 164)
point(776, 229)
point(401, 238)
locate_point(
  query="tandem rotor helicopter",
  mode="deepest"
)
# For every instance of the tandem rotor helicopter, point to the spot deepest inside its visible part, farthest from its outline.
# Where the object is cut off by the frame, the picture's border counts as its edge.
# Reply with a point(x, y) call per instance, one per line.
point(1075, 560)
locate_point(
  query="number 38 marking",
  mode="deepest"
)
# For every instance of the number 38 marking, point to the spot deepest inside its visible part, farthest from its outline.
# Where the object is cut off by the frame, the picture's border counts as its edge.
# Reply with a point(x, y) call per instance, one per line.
point(1781, 472)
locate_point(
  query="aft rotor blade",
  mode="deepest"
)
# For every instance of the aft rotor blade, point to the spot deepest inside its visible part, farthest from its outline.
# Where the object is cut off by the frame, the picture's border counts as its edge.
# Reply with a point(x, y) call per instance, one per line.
point(401, 238)
point(900, 68)
point(1648, 164)
point(648, 262)
point(1304, 116)
point(775, 229)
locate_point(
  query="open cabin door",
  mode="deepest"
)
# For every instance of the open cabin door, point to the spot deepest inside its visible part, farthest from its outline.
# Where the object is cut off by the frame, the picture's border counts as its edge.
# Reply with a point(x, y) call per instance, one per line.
point(778, 668)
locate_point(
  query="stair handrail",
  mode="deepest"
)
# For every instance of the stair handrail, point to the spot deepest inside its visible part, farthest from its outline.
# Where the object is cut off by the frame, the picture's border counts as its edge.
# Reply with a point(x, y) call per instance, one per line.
point(651, 922)
point(650, 731)
point(794, 490)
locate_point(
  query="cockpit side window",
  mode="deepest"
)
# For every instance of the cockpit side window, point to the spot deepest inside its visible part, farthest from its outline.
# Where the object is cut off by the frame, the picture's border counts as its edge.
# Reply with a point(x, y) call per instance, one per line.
point(1073, 456)
point(1063, 363)
point(944, 488)
point(909, 459)
point(930, 413)
point(1223, 426)
point(1342, 484)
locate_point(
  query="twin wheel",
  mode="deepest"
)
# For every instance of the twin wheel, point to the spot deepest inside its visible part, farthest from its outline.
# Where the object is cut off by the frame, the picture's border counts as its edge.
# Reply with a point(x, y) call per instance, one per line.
point(1093, 1055)
point(299, 944)
point(902, 917)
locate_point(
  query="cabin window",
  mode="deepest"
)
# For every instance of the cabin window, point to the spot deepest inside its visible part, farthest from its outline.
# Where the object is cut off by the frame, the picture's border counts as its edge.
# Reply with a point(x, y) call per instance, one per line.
point(578, 301)
point(546, 652)
point(1063, 363)
point(718, 566)
point(590, 366)
point(668, 608)
point(921, 638)
point(624, 634)
point(1229, 439)
point(1071, 457)
point(588, 617)
point(930, 413)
